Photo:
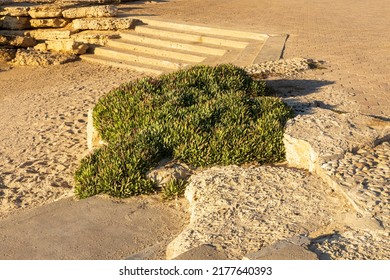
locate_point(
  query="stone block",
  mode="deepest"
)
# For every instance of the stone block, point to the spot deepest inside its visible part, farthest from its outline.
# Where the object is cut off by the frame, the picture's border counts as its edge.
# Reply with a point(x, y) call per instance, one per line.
point(37, 58)
point(15, 23)
point(91, 12)
point(17, 41)
point(15, 11)
point(103, 23)
point(48, 11)
point(66, 46)
point(7, 54)
point(49, 22)
point(93, 37)
point(50, 34)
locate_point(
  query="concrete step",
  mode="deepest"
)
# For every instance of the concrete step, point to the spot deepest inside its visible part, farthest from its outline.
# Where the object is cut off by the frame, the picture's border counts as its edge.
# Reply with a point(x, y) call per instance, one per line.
point(154, 50)
point(189, 37)
point(204, 29)
point(117, 63)
point(171, 44)
point(130, 56)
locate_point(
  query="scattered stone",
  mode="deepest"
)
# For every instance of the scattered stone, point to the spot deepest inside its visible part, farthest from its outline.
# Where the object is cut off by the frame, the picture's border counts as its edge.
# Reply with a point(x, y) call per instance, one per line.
point(15, 23)
point(91, 12)
point(36, 58)
point(45, 11)
point(7, 54)
point(103, 23)
point(52, 22)
point(66, 46)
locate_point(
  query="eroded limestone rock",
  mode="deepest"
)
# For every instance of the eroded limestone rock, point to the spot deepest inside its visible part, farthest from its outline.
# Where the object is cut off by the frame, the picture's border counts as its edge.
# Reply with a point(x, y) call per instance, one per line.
point(38, 58)
point(51, 22)
point(91, 12)
point(15, 11)
point(50, 34)
point(17, 41)
point(7, 54)
point(241, 209)
point(93, 37)
point(323, 135)
point(66, 46)
point(15, 23)
point(102, 23)
point(45, 11)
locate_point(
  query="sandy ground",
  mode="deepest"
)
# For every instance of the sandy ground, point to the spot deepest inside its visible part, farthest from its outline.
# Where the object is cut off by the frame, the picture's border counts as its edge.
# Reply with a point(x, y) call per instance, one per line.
point(43, 122)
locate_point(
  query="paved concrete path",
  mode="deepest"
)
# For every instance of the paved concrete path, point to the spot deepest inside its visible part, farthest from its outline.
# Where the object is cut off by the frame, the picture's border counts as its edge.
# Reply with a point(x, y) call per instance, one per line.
point(352, 35)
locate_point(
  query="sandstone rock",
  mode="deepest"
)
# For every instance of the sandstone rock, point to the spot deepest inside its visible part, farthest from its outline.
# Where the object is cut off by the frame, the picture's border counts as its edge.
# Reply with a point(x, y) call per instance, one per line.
point(242, 209)
point(50, 34)
point(45, 11)
point(15, 23)
point(94, 140)
point(7, 54)
point(324, 135)
point(103, 23)
point(169, 170)
point(51, 22)
point(93, 37)
point(40, 47)
point(17, 41)
point(91, 12)
point(37, 58)
point(66, 46)
point(15, 11)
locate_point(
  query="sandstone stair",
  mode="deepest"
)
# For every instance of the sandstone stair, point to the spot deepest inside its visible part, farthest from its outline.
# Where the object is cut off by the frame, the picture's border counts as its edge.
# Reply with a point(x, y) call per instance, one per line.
point(157, 47)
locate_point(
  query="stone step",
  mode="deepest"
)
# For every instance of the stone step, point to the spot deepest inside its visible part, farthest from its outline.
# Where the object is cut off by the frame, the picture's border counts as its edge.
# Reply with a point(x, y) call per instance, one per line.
point(168, 43)
point(154, 50)
point(131, 56)
point(117, 63)
point(204, 29)
point(188, 37)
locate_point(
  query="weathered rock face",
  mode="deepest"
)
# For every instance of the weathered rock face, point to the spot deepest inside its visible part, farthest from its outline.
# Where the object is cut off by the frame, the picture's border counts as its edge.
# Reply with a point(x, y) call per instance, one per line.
point(15, 11)
point(66, 46)
point(241, 209)
point(51, 22)
point(50, 34)
point(6, 54)
point(102, 23)
point(48, 11)
point(15, 23)
point(93, 37)
point(17, 41)
point(36, 58)
point(323, 135)
point(91, 12)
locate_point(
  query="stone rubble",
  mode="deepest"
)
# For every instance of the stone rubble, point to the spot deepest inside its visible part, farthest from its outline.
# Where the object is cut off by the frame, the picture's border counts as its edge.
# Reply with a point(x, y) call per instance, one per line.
point(48, 21)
